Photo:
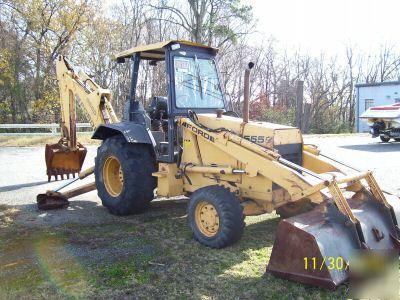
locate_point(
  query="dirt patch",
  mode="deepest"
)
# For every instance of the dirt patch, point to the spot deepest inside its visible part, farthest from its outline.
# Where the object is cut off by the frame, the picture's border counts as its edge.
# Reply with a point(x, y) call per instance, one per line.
point(7, 215)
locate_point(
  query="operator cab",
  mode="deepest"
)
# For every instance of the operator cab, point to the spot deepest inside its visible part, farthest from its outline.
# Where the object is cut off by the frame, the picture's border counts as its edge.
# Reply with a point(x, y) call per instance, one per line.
point(193, 84)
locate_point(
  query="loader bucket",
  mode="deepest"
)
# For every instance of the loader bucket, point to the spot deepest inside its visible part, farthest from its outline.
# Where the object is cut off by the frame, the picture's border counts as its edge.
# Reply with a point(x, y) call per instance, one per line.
point(51, 200)
point(316, 247)
point(62, 161)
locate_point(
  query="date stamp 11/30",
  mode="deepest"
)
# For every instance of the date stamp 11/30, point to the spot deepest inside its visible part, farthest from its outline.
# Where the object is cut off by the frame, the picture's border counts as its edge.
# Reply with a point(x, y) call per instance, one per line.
point(332, 263)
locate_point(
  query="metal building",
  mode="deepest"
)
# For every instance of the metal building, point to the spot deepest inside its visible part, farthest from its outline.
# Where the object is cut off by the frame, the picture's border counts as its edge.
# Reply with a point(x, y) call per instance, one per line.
point(374, 94)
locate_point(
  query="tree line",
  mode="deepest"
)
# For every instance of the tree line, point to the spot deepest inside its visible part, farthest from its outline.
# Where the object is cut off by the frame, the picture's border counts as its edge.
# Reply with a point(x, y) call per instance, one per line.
point(34, 32)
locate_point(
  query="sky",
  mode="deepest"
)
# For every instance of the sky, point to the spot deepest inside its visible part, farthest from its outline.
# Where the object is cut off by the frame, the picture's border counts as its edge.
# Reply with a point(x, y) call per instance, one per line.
point(328, 25)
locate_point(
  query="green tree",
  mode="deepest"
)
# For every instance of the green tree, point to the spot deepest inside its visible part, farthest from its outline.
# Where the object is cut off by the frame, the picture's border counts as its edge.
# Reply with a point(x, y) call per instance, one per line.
point(40, 31)
point(212, 22)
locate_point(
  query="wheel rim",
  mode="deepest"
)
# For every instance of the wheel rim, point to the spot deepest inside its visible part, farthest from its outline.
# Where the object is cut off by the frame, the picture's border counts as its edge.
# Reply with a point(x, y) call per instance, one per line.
point(113, 176)
point(207, 219)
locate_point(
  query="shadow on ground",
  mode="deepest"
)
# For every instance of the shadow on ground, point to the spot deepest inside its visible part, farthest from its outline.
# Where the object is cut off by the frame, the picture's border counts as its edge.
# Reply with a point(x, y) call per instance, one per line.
point(377, 147)
point(15, 187)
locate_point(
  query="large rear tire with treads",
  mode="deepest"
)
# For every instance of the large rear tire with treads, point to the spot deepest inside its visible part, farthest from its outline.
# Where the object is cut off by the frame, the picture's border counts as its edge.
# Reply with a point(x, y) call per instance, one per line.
point(123, 173)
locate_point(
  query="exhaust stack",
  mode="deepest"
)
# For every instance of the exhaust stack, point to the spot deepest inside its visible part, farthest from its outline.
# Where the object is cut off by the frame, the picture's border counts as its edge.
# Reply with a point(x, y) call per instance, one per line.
point(246, 92)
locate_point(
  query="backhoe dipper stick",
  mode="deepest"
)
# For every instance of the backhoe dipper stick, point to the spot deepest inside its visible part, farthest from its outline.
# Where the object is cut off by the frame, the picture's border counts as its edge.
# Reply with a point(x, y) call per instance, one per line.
point(81, 175)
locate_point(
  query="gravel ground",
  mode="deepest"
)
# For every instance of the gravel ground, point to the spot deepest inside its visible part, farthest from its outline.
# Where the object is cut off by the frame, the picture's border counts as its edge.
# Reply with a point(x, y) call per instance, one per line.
point(23, 176)
point(365, 153)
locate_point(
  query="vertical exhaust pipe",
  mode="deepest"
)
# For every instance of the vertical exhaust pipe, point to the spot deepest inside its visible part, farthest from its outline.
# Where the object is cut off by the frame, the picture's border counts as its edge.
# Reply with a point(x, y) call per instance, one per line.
point(246, 93)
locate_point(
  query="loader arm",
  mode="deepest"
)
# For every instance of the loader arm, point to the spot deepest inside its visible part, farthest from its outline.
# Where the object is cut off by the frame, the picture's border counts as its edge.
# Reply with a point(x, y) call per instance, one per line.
point(258, 160)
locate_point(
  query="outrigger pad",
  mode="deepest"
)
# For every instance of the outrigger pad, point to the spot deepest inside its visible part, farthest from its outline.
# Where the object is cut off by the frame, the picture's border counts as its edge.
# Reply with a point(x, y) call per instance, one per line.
point(51, 200)
point(61, 161)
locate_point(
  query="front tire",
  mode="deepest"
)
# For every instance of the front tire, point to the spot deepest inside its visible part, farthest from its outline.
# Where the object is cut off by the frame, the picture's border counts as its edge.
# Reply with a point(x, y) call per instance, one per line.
point(215, 216)
point(123, 175)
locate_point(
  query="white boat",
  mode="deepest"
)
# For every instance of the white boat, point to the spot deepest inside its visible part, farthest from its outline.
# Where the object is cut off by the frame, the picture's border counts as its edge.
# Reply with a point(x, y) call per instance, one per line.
point(384, 121)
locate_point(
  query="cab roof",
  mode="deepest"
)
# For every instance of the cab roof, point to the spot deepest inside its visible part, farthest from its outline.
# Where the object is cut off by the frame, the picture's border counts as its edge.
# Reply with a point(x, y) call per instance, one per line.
point(156, 51)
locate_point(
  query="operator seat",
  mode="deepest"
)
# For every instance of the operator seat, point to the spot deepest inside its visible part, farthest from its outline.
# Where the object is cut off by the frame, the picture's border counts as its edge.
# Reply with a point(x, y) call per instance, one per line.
point(158, 113)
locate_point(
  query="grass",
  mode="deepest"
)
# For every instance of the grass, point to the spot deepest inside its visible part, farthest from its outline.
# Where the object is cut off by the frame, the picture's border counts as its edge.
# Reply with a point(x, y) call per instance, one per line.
point(151, 255)
point(41, 140)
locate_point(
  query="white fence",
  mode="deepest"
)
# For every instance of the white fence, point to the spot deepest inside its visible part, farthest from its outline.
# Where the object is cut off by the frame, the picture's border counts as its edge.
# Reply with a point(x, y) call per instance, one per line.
point(53, 128)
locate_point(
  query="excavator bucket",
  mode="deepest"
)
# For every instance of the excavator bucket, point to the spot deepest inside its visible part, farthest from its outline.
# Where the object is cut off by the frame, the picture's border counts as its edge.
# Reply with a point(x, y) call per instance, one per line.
point(61, 161)
point(317, 247)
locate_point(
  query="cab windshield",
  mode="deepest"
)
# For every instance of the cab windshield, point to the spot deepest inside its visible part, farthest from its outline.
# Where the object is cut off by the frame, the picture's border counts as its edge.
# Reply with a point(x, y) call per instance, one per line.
point(196, 83)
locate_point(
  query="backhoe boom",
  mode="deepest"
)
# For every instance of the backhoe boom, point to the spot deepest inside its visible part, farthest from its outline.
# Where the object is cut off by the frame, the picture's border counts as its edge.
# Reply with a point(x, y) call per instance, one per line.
point(66, 157)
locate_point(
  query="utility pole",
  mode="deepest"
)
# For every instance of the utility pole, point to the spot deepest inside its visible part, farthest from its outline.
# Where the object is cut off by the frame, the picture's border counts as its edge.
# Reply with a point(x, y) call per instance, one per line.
point(306, 115)
point(299, 102)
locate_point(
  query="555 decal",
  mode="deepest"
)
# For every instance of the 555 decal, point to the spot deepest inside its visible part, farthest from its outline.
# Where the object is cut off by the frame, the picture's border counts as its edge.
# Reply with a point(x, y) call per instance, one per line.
point(259, 139)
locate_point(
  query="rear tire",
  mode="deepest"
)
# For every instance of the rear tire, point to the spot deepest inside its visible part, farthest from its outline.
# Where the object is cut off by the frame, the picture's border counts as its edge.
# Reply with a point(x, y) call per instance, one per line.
point(384, 138)
point(397, 139)
point(293, 209)
point(215, 216)
point(123, 175)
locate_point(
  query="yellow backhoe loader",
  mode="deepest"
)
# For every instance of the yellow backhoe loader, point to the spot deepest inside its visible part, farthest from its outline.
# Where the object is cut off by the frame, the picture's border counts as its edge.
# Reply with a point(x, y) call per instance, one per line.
point(66, 157)
point(231, 167)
